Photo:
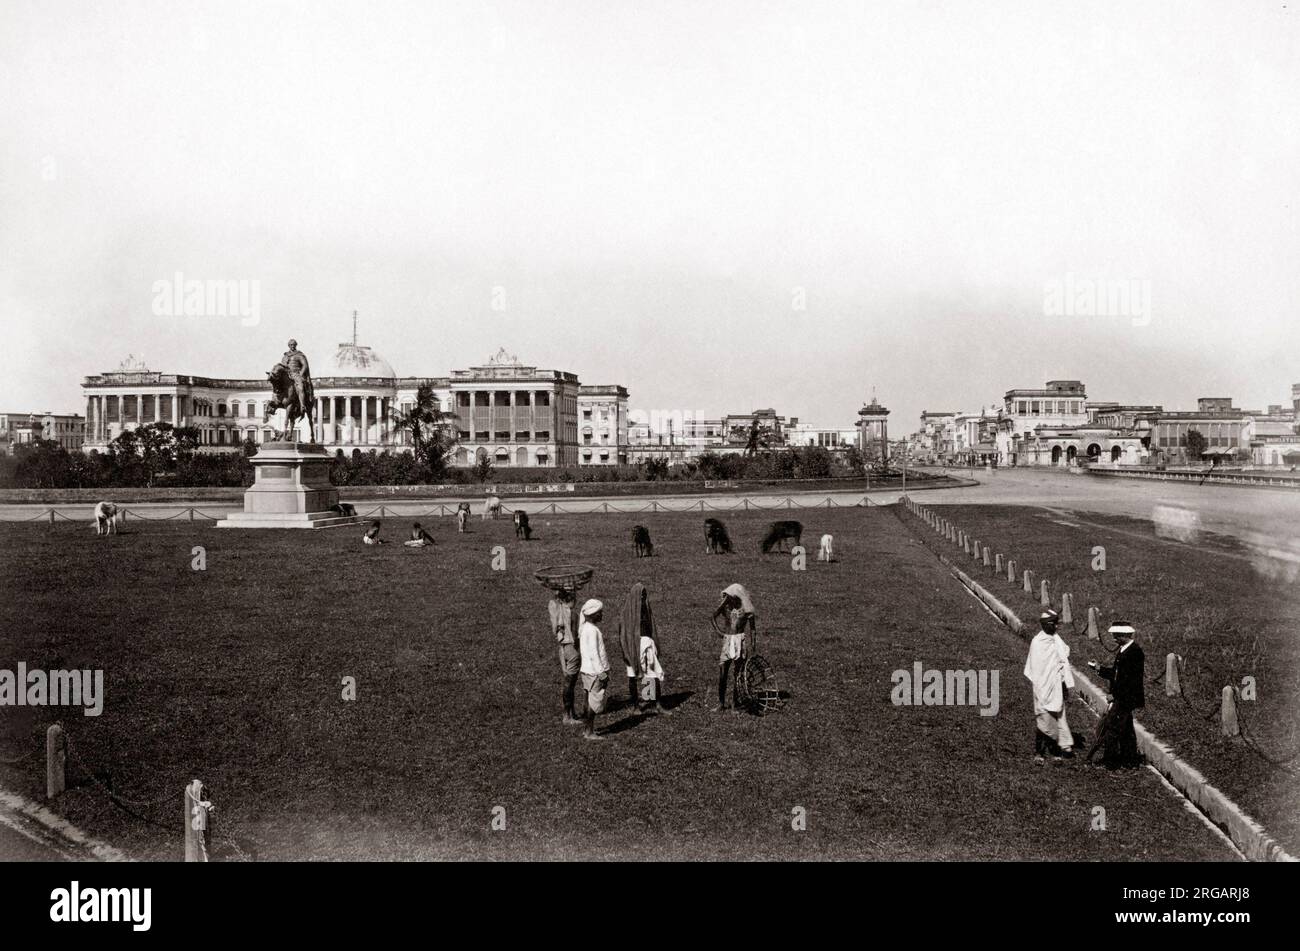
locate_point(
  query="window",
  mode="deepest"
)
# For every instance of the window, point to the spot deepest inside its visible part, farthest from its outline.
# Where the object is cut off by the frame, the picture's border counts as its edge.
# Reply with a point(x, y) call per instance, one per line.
point(503, 435)
point(1022, 407)
point(523, 436)
point(1033, 408)
point(586, 414)
point(543, 435)
point(481, 435)
point(543, 398)
point(462, 398)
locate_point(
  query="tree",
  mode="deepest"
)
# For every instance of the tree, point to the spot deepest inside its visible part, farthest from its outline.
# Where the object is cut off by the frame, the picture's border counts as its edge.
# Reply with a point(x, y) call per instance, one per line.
point(431, 436)
point(1196, 444)
point(483, 468)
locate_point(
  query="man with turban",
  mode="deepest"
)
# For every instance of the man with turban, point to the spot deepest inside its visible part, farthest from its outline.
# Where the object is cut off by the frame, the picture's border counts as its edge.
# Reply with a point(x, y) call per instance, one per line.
point(594, 666)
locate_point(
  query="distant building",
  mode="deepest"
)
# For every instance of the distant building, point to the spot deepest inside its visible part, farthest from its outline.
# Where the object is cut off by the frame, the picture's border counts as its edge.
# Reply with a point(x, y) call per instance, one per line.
point(1060, 404)
point(1227, 432)
point(18, 429)
point(873, 431)
point(809, 434)
point(602, 425)
point(515, 415)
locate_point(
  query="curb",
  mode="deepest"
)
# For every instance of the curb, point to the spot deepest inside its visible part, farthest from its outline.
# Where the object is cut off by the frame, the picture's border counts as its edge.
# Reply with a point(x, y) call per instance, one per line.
point(1246, 834)
point(55, 832)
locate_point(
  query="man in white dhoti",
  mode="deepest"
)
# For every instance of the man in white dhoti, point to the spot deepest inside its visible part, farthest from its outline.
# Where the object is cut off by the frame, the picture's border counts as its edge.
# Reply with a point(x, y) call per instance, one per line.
point(1048, 669)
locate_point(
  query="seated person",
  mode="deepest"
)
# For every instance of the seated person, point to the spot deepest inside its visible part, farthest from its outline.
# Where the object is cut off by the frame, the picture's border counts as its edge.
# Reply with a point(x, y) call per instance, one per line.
point(371, 536)
point(419, 537)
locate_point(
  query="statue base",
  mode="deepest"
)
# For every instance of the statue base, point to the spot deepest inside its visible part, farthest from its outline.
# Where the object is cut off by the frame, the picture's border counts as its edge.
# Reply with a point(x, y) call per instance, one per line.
point(291, 489)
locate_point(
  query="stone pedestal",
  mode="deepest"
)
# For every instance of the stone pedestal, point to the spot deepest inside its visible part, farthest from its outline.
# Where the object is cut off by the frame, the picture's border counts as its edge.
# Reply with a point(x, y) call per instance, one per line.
point(291, 489)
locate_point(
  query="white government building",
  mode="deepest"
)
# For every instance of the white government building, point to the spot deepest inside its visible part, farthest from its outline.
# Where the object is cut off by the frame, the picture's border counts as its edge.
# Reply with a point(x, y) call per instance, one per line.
point(517, 415)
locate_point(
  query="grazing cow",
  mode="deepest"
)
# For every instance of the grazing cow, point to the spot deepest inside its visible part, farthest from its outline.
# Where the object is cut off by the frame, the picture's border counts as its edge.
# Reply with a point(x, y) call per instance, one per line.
point(827, 551)
point(344, 508)
point(780, 532)
point(462, 517)
point(492, 506)
point(641, 542)
point(107, 518)
point(522, 529)
point(716, 539)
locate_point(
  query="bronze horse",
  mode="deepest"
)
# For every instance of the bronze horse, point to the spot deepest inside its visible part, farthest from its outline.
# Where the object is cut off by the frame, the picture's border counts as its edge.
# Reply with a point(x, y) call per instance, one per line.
point(286, 397)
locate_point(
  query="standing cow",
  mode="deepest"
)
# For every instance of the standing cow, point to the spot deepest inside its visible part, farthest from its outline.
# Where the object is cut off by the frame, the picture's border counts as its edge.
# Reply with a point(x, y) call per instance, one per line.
point(106, 518)
point(522, 528)
point(492, 506)
point(462, 517)
point(716, 539)
point(827, 550)
point(778, 533)
point(641, 542)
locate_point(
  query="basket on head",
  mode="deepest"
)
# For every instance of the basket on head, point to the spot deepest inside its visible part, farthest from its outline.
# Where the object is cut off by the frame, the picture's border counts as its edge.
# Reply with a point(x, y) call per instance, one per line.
point(564, 577)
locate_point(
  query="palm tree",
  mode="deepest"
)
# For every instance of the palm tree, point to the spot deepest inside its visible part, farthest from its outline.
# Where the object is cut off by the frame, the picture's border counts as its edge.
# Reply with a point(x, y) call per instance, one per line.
point(427, 424)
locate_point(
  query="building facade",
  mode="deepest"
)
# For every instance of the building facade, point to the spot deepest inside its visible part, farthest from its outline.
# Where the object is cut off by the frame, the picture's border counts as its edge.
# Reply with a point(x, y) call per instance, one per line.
point(602, 425)
point(19, 429)
point(515, 415)
point(512, 413)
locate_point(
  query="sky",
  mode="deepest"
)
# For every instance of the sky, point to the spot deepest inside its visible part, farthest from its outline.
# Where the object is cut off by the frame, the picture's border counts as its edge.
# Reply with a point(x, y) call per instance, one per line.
point(721, 206)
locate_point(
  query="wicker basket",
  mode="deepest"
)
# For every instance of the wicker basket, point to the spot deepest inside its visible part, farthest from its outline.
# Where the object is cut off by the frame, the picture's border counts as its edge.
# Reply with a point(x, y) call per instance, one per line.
point(564, 577)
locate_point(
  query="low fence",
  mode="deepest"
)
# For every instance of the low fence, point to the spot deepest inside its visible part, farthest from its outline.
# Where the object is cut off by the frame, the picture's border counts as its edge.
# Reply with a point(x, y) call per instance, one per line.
point(1262, 479)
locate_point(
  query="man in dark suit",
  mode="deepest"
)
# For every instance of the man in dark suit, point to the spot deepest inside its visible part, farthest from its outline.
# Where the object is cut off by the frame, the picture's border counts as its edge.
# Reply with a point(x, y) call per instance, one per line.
point(1126, 678)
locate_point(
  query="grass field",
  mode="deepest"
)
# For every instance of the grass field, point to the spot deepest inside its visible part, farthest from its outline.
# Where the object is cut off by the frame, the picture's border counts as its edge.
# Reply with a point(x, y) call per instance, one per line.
point(1224, 609)
point(232, 675)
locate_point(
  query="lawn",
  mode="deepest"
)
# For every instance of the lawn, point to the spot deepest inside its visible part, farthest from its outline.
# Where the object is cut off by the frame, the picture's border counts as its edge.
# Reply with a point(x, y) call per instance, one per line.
point(232, 675)
point(1226, 610)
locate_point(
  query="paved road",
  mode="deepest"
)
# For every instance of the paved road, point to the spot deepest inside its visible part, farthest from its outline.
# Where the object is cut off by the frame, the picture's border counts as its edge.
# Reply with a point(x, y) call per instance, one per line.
point(1258, 516)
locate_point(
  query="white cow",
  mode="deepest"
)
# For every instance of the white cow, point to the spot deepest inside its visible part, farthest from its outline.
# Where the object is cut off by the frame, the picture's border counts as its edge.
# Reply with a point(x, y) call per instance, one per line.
point(462, 516)
point(827, 551)
point(107, 518)
point(492, 507)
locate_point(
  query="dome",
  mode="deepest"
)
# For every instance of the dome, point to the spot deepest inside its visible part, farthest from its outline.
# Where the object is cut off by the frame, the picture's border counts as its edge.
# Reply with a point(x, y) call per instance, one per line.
point(354, 360)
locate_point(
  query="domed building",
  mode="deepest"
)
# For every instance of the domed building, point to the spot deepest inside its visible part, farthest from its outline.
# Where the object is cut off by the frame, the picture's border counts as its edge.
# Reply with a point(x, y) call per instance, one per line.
point(358, 397)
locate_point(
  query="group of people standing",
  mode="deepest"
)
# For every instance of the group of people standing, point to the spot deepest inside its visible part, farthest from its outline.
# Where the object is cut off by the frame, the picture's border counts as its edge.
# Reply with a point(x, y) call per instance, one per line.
point(583, 659)
point(1048, 669)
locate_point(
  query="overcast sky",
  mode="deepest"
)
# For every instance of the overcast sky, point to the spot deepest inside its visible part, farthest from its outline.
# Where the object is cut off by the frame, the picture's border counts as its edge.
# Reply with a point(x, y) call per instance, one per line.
point(719, 205)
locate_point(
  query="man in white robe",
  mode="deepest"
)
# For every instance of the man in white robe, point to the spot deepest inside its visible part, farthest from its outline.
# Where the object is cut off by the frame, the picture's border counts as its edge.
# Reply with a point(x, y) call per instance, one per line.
point(1048, 669)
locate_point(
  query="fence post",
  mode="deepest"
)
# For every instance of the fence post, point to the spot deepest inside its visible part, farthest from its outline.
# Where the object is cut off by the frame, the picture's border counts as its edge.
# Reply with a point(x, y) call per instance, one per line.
point(997, 563)
point(1092, 625)
point(1011, 570)
point(986, 556)
point(1044, 598)
point(56, 755)
point(51, 518)
point(1029, 582)
point(1067, 609)
point(1228, 713)
point(198, 827)
point(191, 513)
point(1172, 686)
